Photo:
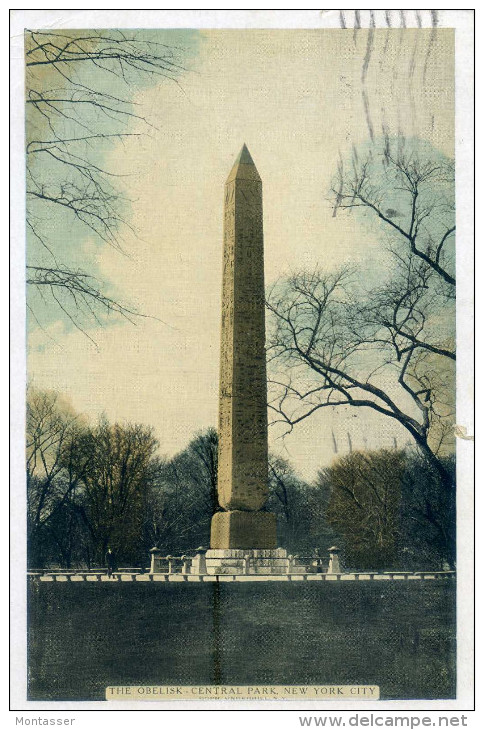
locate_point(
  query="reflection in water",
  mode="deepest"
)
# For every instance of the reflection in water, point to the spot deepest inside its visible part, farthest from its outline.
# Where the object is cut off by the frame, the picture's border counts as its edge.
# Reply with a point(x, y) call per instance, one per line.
point(216, 634)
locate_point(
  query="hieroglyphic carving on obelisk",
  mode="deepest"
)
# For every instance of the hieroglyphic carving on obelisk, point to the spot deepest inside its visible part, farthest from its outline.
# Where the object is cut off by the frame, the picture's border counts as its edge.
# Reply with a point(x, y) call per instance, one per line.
point(242, 460)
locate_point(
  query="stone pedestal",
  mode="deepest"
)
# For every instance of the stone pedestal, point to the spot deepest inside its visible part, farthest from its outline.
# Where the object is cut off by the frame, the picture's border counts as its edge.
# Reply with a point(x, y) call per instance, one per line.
point(199, 564)
point(186, 565)
point(334, 564)
point(243, 530)
point(247, 562)
point(155, 560)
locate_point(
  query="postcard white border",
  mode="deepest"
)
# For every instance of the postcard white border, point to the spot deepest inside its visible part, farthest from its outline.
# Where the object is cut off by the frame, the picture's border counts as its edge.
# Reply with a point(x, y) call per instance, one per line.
point(462, 21)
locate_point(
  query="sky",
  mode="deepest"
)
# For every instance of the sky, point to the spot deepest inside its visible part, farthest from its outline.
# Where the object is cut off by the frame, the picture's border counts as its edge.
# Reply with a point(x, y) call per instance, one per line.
point(299, 99)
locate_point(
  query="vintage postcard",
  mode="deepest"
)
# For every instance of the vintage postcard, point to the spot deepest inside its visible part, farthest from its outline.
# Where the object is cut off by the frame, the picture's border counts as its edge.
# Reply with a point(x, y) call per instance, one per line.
point(244, 433)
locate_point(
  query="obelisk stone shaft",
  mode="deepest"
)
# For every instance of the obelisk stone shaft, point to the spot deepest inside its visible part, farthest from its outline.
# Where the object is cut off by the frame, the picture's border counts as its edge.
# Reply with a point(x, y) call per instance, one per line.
point(242, 451)
point(242, 475)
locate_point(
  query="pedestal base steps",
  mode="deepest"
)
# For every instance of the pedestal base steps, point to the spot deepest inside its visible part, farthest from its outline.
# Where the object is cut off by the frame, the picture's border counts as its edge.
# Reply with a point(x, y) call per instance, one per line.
point(247, 562)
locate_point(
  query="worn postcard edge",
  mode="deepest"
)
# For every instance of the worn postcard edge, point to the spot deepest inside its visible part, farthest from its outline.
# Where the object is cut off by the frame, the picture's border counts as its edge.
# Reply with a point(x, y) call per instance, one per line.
point(463, 22)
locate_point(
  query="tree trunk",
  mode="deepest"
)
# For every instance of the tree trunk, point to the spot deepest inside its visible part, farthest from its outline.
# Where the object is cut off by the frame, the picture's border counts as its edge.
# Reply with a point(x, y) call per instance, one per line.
point(446, 478)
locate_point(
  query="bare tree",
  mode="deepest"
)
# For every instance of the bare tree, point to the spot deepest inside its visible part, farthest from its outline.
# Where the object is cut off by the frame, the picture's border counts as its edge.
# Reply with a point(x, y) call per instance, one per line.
point(53, 429)
point(329, 349)
point(115, 464)
point(391, 347)
point(183, 497)
point(390, 510)
point(411, 195)
point(203, 454)
point(302, 525)
point(74, 113)
point(364, 506)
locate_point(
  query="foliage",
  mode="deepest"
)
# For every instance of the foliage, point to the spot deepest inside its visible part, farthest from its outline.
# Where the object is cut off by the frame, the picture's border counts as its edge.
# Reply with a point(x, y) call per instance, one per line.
point(52, 431)
point(93, 486)
point(391, 511)
point(183, 498)
point(111, 488)
point(116, 473)
point(300, 508)
point(428, 515)
point(86, 486)
point(364, 506)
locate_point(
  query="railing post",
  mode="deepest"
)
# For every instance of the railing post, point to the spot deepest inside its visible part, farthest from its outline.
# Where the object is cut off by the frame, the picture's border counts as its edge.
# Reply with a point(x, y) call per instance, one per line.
point(199, 563)
point(334, 565)
point(155, 560)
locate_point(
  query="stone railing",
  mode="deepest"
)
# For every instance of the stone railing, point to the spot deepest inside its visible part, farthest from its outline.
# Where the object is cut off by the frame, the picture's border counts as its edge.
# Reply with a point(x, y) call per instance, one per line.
point(242, 562)
point(84, 571)
point(171, 564)
point(180, 576)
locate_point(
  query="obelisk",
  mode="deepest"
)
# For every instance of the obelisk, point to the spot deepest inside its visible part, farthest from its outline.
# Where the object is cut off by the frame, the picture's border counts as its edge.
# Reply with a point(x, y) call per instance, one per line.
point(242, 451)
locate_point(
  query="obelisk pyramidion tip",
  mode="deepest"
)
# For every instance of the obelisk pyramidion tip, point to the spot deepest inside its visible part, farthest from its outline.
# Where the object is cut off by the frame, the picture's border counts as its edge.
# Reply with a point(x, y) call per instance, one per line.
point(244, 167)
point(244, 156)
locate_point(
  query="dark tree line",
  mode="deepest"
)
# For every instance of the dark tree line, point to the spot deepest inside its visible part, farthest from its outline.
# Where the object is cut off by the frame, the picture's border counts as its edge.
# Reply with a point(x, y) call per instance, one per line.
point(85, 484)
point(181, 501)
point(90, 487)
point(93, 486)
point(390, 510)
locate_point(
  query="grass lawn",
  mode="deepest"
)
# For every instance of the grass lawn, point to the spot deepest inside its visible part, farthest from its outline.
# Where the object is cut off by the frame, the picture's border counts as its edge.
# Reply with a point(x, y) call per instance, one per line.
point(86, 636)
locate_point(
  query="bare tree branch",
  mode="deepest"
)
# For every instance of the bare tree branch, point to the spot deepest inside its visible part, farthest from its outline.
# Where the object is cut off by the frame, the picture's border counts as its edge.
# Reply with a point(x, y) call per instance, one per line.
point(73, 114)
point(368, 185)
point(328, 347)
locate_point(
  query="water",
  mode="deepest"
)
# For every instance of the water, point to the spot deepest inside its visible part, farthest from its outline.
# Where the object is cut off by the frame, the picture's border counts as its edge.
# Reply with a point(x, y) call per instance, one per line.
point(84, 637)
